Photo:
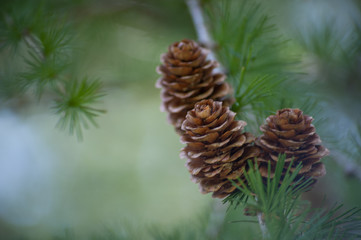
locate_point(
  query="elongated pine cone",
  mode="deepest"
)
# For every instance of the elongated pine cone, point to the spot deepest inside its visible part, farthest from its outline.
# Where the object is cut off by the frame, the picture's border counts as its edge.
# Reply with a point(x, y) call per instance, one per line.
point(216, 149)
point(188, 77)
point(290, 132)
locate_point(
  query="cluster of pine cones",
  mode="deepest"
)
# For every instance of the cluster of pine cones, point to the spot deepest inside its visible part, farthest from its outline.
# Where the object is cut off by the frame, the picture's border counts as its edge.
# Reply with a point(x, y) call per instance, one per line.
point(197, 101)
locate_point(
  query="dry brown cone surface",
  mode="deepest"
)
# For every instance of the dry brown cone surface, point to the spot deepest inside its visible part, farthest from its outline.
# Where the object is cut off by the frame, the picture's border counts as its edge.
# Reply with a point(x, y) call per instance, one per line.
point(188, 77)
point(216, 149)
point(290, 132)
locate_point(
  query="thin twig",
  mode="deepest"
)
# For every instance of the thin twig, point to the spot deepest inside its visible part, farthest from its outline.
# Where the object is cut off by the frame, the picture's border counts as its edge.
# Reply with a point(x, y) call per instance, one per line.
point(32, 43)
point(204, 38)
point(216, 220)
point(262, 225)
point(197, 15)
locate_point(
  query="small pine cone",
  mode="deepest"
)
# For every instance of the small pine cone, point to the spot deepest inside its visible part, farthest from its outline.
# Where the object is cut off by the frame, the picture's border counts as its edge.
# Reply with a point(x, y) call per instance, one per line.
point(216, 149)
point(188, 77)
point(291, 133)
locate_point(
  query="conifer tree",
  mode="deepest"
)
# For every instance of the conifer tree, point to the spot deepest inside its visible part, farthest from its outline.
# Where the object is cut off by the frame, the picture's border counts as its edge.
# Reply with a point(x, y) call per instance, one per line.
point(287, 162)
point(250, 113)
point(44, 44)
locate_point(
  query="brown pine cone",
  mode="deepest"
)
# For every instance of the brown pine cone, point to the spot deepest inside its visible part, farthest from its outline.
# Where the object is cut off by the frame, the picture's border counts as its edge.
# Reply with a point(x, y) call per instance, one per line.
point(188, 77)
point(290, 132)
point(216, 150)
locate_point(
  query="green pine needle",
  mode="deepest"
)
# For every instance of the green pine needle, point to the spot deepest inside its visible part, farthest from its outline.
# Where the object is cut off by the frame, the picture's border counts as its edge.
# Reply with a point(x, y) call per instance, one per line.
point(18, 18)
point(285, 215)
point(75, 105)
point(250, 49)
point(55, 40)
point(42, 73)
point(239, 26)
point(46, 52)
point(331, 224)
point(270, 193)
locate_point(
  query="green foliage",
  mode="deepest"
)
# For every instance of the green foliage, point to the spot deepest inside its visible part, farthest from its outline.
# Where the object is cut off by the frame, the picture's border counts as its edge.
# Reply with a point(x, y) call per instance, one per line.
point(270, 194)
point(335, 51)
point(277, 202)
point(17, 20)
point(44, 44)
point(41, 73)
point(253, 99)
point(330, 224)
point(322, 41)
point(252, 52)
point(74, 105)
point(332, 45)
point(244, 35)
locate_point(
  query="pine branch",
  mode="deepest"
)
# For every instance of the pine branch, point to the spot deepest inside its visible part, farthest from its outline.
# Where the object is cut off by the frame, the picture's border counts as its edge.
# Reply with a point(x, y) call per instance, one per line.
point(47, 58)
point(282, 215)
point(197, 15)
point(32, 43)
point(74, 105)
point(262, 225)
point(240, 27)
point(251, 49)
point(204, 38)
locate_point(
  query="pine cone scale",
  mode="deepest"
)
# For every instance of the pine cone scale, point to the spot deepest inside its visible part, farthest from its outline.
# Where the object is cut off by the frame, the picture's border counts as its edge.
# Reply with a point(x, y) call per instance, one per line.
point(235, 156)
point(217, 145)
point(235, 126)
point(291, 144)
point(216, 113)
point(318, 170)
point(184, 94)
point(221, 90)
point(215, 159)
point(201, 95)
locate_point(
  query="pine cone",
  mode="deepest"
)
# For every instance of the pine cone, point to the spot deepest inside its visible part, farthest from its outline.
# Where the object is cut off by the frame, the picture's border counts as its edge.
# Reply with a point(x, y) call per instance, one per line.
point(188, 78)
point(290, 132)
point(216, 150)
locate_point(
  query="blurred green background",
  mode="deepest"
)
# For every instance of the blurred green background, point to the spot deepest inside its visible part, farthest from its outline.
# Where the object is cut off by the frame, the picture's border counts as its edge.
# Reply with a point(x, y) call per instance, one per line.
point(126, 178)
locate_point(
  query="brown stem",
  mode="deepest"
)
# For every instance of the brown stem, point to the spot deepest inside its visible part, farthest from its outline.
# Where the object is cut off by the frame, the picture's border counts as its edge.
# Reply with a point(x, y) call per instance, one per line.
point(32, 43)
point(262, 225)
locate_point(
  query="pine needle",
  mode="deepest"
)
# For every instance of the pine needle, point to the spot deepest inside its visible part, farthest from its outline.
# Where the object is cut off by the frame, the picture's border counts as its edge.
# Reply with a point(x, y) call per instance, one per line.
point(75, 105)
